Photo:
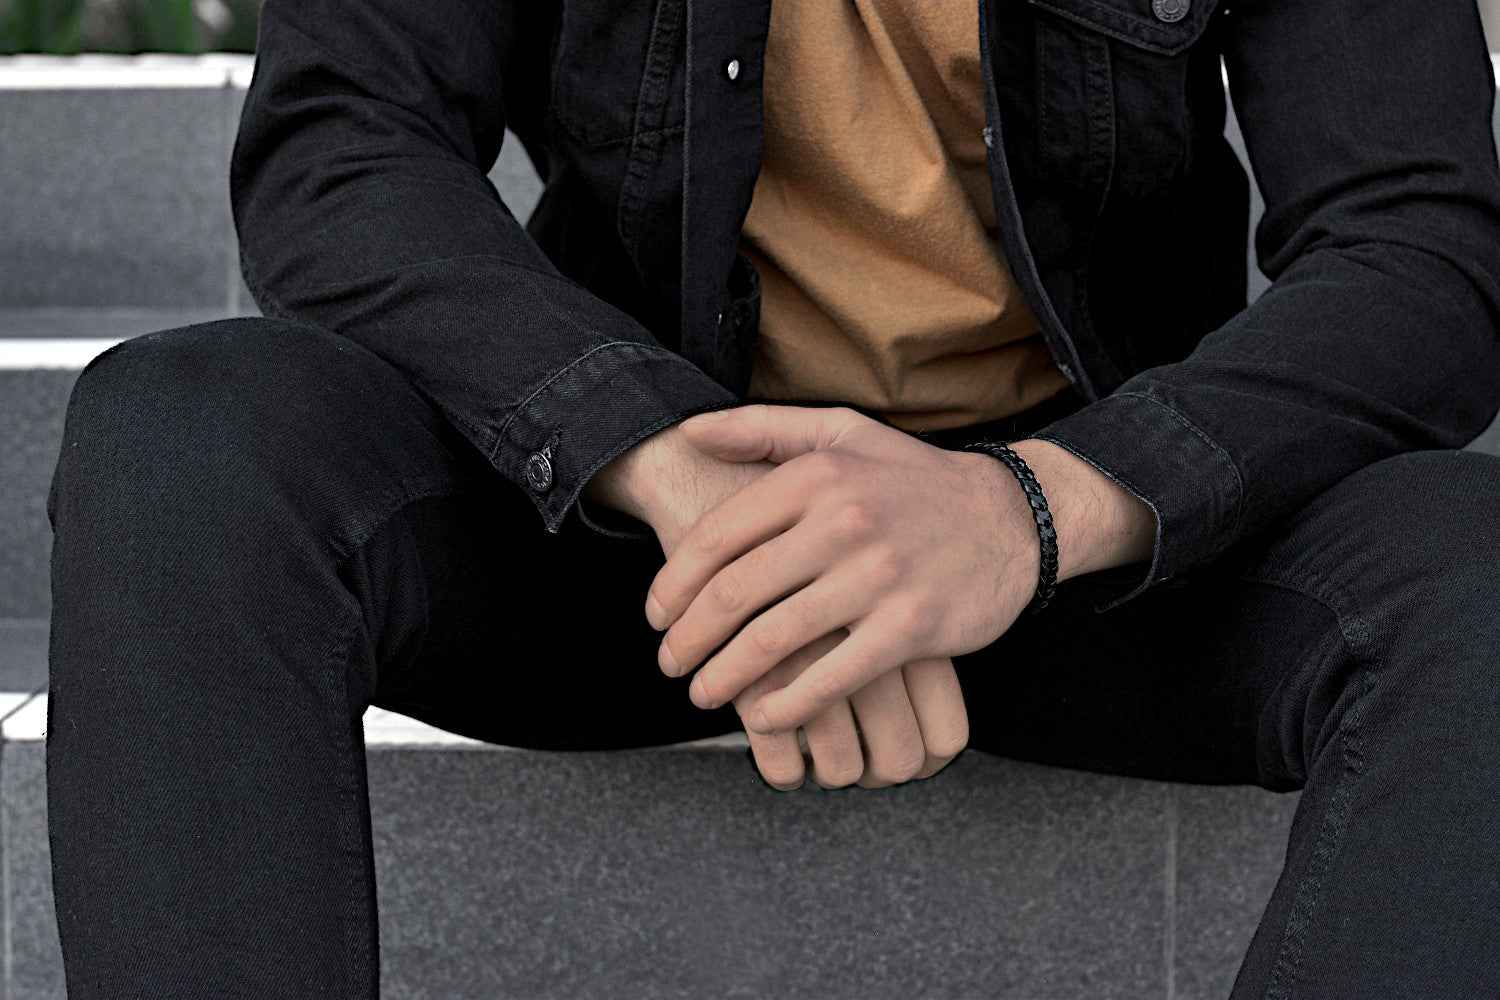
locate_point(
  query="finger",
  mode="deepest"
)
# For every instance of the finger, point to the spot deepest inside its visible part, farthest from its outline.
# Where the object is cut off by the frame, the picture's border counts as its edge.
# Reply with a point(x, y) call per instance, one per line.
point(763, 431)
point(760, 577)
point(894, 753)
point(875, 645)
point(778, 758)
point(838, 760)
point(826, 605)
point(938, 701)
point(751, 516)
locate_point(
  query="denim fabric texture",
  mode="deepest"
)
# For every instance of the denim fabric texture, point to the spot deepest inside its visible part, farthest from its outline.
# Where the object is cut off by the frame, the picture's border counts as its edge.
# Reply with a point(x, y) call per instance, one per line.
point(624, 305)
point(262, 528)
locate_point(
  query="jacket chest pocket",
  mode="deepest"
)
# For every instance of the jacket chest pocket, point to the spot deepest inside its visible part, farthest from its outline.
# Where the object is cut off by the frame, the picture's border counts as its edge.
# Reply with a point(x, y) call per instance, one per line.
point(611, 55)
point(1124, 83)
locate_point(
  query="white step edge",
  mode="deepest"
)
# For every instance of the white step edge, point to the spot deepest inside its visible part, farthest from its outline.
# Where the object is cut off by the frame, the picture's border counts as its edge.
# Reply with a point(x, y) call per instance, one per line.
point(125, 72)
point(32, 353)
point(26, 722)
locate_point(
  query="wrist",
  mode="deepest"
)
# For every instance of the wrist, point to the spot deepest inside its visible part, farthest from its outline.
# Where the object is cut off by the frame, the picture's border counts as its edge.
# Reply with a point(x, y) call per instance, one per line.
point(635, 481)
point(1100, 524)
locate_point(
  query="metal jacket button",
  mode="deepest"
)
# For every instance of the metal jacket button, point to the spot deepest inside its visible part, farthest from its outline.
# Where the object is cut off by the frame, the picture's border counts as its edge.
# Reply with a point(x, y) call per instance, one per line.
point(732, 69)
point(1171, 10)
point(539, 472)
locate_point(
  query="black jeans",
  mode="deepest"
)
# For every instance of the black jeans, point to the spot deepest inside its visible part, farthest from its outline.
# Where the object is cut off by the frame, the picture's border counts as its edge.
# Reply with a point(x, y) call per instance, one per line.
point(261, 529)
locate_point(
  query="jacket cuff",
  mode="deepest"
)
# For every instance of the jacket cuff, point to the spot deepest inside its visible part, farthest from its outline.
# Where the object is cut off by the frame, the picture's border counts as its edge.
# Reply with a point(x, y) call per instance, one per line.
point(594, 409)
point(1189, 482)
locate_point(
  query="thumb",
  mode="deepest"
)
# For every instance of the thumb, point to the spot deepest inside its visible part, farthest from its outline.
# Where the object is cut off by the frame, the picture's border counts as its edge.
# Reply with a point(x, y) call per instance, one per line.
point(761, 431)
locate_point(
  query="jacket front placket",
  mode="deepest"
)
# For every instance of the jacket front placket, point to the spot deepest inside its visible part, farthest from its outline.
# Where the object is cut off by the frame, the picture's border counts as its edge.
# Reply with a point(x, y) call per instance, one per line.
point(722, 145)
point(1018, 249)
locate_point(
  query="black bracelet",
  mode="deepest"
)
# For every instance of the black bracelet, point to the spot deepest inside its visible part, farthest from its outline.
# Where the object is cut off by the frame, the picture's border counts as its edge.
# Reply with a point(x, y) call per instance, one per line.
point(1045, 529)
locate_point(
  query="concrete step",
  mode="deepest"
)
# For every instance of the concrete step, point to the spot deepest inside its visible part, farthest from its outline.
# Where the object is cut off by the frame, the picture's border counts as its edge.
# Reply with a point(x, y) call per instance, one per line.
point(676, 873)
point(117, 182)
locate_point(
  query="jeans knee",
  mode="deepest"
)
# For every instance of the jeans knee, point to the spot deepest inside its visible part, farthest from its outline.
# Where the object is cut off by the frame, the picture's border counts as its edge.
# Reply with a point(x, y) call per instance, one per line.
point(173, 397)
point(206, 421)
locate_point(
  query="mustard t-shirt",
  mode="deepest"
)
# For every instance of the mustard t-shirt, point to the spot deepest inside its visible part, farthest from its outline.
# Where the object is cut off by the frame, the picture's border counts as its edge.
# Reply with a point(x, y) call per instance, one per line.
point(873, 226)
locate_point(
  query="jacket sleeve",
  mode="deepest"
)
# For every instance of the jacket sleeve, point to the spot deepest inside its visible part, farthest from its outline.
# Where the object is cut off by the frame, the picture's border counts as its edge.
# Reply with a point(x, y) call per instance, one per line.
point(361, 202)
point(1368, 126)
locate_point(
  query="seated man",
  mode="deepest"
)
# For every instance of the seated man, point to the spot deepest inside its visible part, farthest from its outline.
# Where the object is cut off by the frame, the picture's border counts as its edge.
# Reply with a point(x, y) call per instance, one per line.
point(453, 475)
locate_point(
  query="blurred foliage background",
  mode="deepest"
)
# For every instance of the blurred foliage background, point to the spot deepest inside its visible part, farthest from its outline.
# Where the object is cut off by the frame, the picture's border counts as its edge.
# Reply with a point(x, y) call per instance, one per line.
point(68, 26)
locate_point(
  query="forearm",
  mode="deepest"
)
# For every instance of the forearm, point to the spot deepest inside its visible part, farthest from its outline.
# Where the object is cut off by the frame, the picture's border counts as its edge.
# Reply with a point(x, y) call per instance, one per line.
point(1100, 524)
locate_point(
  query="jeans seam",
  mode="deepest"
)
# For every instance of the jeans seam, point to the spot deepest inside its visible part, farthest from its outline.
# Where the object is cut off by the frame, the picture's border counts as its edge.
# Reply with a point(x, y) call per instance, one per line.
point(1286, 971)
point(348, 540)
point(361, 960)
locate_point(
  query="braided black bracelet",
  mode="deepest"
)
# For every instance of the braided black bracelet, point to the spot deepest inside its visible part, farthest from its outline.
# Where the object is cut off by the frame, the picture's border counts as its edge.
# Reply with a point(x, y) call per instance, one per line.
point(1046, 531)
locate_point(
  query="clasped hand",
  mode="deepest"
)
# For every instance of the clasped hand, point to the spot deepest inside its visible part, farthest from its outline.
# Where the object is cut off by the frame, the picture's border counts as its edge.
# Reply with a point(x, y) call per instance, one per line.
point(859, 565)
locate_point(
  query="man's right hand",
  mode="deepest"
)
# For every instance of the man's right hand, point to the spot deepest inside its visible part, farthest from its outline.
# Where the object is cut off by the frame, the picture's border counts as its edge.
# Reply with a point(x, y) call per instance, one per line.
point(912, 721)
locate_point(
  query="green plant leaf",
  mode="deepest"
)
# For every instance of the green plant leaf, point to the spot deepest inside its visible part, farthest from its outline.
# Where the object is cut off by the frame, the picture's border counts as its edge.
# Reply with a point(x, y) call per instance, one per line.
point(164, 26)
point(52, 26)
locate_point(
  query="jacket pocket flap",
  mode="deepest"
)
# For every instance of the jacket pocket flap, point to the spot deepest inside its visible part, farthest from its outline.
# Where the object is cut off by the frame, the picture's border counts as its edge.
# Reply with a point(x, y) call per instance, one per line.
point(1164, 26)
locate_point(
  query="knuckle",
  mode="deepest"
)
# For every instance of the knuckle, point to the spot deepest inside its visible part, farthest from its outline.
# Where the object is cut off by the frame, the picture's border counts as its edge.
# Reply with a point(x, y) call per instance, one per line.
point(781, 775)
point(886, 567)
point(949, 741)
point(902, 766)
point(728, 591)
point(841, 772)
point(855, 519)
point(808, 611)
point(915, 618)
point(768, 637)
point(909, 764)
point(708, 533)
point(824, 466)
point(825, 686)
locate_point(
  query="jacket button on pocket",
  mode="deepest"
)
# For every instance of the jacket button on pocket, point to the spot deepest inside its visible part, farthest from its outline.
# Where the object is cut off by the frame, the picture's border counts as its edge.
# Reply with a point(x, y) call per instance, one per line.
point(539, 472)
point(1171, 10)
point(732, 69)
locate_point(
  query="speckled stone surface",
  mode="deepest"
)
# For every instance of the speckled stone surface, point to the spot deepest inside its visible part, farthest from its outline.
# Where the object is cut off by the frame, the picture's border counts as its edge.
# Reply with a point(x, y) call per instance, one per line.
point(1489, 441)
point(34, 963)
point(23, 654)
point(120, 197)
point(1230, 845)
point(32, 404)
point(678, 874)
point(123, 197)
point(515, 178)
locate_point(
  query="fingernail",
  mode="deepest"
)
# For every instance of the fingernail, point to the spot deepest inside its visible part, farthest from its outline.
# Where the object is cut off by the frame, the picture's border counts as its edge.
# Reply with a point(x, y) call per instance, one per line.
point(759, 723)
point(707, 418)
point(656, 615)
point(699, 696)
point(669, 664)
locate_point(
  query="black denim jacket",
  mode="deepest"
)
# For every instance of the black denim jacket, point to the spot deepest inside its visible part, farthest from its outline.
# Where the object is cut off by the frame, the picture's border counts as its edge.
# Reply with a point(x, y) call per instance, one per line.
point(624, 305)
